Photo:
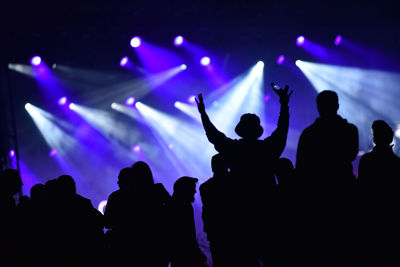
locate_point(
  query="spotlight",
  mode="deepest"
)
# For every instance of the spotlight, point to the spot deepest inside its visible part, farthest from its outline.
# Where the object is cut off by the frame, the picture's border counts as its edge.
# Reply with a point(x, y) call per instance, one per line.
point(192, 99)
point(260, 64)
point(298, 63)
point(178, 41)
point(300, 40)
point(397, 132)
point(62, 101)
point(11, 154)
point(36, 60)
point(54, 66)
point(183, 67)
point(280, 59)
point(136, 148)
point(205, 61)
point(338, 40)
point(123, 61)
point(130, 101)
point(136, 41)
point(27, 106)
point(53, 152)
point(71, 106)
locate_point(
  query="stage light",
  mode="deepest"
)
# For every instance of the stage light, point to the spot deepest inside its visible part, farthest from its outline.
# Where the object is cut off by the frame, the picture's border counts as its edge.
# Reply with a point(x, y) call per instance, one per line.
point(280, 59)
point(338, 40)
point(54, 66)
point(183, 67)
point(260, 64)
point(136, 148)
point(205, 61)
point(192, 99)
point(178, 41)
point(136, 41)
point(129, 101)
point(397, 132)
point(71, 106)
point(298, 63)
point(123, 61)
point(53, 152)
point(11, 154)
point(102, 205)
point(62, 101)
point(36, 60)
point(300, 40)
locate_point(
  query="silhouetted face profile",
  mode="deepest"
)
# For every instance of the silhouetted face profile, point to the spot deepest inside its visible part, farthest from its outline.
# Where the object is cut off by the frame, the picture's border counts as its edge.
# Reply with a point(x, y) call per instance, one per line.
point(284, 170)
point(383, 133)
point(218, 164)
point(185, 188)
point(249, 126)
point(125, 179)
point(327, 103)
point(142, 174)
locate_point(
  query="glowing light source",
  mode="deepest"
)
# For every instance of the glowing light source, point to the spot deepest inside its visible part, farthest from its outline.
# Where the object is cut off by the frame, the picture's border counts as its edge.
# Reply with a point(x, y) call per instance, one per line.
point(11, 154)
point(123, 61)
point(192, 99)
point(53, 152)
point(205, 61)
point(36, 60)
point(136, 148)
point(280, 59)
point(300, 40)
point(102, 206)
point(178, 41)
point(71, 106)
point(397, 132)
point(338, 40)
point(183, 67)
point(136, 41)
point(298, 63)
point(130, 101)
point(260, 64)
point(62, 101)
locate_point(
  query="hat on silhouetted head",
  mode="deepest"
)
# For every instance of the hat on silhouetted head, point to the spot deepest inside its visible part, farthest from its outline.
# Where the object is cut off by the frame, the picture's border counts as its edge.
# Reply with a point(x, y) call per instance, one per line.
point(249, 126)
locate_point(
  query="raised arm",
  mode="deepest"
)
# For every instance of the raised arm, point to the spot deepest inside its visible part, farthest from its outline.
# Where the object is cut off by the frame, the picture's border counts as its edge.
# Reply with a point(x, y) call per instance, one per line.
point(214, 136)
point(279, 136)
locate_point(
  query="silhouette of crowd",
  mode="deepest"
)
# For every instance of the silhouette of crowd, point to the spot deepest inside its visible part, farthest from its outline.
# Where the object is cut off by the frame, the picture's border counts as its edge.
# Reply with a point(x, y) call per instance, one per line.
point(259, 209)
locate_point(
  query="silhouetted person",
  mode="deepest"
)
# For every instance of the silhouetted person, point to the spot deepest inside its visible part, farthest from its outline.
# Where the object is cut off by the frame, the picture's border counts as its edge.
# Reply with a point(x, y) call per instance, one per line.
point(325, 153)
point(185, 250)
point(251, 162)
point(216, 213)
point(137, 218)
point(10, 185)
point(379, 185)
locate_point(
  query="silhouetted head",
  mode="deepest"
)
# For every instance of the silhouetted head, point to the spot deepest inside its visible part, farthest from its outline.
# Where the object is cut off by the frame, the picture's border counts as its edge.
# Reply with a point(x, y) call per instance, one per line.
point(327, 103)
point(67, 184)
point(218, 164)
point(284, 170)
point(383, 133)
point(10, 182)
point(38, 193)
point(249, 126)
point(52, 191)
point(142, 174)
point(185, 188)
point(125, 178)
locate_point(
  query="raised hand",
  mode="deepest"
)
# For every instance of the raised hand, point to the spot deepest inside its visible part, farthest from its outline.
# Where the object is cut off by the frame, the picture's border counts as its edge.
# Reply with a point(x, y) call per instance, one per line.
point(200, 103)
point(283, 94)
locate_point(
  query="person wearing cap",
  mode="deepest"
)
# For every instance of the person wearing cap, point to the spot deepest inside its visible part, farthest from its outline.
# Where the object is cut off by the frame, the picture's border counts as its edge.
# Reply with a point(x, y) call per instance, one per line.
point(185, 250)
point(251, 163)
